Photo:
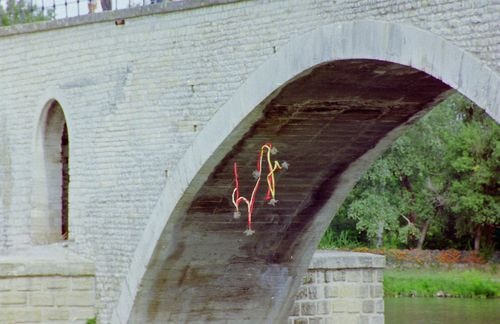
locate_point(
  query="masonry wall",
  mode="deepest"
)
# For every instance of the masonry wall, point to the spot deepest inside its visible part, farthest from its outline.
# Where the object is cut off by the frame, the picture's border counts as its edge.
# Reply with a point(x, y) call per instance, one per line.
point(341, 287)
point(136, 95)
point(41, 287)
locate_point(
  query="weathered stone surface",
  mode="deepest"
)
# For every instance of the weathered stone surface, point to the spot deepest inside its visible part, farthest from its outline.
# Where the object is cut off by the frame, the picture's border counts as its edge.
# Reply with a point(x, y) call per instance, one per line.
point(341, 301)
point(46, 284)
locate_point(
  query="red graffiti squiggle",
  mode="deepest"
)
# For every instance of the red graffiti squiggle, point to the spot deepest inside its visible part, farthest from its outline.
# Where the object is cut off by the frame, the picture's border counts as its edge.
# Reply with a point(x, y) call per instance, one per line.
point(265, 151)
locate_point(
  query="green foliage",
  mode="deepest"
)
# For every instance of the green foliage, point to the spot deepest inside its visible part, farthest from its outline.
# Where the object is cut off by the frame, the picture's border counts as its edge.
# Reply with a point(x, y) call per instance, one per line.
point(475, 155)
point(438, 182)
point(373, 213)
point(418, 283)
point(91, 321)
point(20, 12)
point(346, 239)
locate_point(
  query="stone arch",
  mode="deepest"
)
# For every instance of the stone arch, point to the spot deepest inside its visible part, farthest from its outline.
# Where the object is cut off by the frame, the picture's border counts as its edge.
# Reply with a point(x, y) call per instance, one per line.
point(162, 241)
point(50, 170)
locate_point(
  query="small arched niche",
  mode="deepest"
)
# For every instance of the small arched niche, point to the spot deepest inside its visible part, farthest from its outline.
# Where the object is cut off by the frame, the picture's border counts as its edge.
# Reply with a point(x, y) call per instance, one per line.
point(49, 209)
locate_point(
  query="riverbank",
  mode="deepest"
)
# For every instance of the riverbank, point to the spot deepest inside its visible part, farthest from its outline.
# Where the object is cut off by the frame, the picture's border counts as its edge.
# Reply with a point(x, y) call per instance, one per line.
point(431, 259)
point(441, 283)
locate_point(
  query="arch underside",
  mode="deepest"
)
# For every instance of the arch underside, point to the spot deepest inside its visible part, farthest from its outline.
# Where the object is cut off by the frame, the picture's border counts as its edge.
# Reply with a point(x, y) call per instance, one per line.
point(321, 123)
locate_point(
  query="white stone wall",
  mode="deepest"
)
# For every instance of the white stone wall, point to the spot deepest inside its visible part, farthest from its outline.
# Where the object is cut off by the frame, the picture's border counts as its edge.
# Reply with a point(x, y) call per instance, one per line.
point(341, 288)
point(135, 96)
point(40, 285)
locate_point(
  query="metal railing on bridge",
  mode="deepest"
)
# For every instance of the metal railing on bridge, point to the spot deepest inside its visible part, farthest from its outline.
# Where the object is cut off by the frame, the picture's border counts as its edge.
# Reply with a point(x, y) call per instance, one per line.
point(60, 9)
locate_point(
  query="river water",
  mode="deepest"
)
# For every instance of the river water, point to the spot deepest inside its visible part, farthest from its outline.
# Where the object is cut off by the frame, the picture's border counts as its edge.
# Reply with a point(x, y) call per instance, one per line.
point(441, 311)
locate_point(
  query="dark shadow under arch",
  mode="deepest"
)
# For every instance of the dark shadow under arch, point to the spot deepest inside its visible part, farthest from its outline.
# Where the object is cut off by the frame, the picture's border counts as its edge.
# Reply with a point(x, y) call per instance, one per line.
point(321, 123)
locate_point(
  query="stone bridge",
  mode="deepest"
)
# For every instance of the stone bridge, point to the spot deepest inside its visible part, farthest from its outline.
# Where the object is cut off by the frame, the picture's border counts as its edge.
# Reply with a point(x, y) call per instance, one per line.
point(136, 118)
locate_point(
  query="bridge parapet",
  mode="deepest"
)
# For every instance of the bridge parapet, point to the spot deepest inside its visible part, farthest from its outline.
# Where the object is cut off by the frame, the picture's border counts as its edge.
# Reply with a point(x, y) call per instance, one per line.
point(60, 9)
point(341, 287)
point(72, 13)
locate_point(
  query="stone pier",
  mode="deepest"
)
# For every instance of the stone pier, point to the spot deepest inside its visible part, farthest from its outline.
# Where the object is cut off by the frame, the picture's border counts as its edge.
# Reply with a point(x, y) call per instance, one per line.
point(341, 287)
point(46, 284)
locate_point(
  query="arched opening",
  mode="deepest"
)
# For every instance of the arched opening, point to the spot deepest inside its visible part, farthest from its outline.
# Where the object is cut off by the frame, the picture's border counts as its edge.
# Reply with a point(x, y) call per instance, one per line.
point(49, 213)
point(193, 261)
point(321, 123)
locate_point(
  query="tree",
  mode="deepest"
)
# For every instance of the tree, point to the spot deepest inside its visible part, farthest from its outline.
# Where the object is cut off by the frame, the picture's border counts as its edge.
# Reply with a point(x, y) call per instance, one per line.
point(19, 12)
point(403, 191)
point(444, 170)
point(474, 195)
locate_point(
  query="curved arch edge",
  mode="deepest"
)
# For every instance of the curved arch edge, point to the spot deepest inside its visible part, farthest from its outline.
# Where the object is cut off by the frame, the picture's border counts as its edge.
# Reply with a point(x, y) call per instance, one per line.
point(43, 121)
point(364, 39)
point(44, 101)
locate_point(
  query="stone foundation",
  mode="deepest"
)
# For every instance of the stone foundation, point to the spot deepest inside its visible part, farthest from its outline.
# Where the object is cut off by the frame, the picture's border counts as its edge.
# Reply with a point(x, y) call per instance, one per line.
point(46, 284)
point(52, 285)
point(341, 287)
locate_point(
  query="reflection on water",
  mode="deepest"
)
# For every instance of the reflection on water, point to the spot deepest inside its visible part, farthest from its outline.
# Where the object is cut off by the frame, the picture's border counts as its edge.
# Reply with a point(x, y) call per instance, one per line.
point(441, 310)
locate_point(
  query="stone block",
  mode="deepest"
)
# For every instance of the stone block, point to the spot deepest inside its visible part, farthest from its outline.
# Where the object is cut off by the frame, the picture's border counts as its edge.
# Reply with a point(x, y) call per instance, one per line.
point(353, 275)
point(59, 298)
point(379, 305)
point(328, 276)
point(13, 298)
point(364, 319)
point(27, 284)
point(363, 291)
point(20, 315)
point(81, 313)
point(316, 320)
point(320, 277)
point(377, 291)
point(377, 319)
point(368, 306)
point(300, 320)
point(309, 278)
point(331, 291)
point(41, 299)
point(5, 284)
point(347, 306)
point(346, 318)
point(365, 261)
point(347, 290)
point(59, 283)
point(338, 275)
point(295, 309)
point(316, 292)
point(55, 314)
point(308, 308)
point(302, 293)
point(83, 298)
point(82, 283)
point(379, 261)
point(324, 307)
point(367, 275)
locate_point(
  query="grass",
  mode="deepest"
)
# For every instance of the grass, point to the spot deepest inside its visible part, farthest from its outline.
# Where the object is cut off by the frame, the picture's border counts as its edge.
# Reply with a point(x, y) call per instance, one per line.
point(451, 283)
point(346, 239)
